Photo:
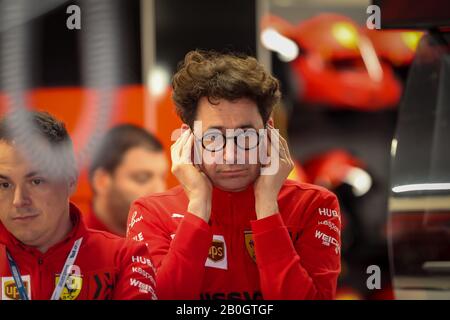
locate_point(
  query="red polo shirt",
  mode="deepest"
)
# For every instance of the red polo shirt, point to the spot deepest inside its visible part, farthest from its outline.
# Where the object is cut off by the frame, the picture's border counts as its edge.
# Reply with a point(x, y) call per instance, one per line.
point(109, 267)
point(293, 254)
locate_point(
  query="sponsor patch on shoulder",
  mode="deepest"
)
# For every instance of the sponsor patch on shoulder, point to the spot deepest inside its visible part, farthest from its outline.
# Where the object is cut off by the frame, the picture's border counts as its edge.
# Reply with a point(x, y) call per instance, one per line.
point(134, 220)
point(329, 212)
point(328, 241)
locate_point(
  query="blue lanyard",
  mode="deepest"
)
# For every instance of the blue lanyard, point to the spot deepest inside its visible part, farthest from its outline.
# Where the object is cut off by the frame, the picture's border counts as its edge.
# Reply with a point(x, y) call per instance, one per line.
point(17, 277)
point(62, 279)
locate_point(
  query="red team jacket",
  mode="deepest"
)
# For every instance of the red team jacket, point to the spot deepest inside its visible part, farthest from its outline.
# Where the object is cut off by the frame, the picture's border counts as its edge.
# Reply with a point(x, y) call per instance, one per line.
point(294, 254)
point(108, 267)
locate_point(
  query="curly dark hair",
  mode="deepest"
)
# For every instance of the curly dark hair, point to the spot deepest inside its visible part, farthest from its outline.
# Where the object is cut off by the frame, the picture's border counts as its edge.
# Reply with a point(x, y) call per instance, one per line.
point(228, 76)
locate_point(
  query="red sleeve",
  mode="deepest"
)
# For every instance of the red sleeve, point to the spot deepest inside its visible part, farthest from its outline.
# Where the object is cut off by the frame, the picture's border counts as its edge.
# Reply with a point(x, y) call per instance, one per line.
point(180, 263)
point(136, 279)
point(309, 268)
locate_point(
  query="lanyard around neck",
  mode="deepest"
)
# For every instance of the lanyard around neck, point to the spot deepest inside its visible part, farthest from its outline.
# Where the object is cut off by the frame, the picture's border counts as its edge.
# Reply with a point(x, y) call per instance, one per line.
point(70, 261)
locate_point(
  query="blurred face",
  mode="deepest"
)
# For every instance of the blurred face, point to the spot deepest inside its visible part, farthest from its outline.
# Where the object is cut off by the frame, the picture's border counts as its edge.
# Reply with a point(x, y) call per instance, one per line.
point(240, 114)
point(33, 207)
point(140, 173)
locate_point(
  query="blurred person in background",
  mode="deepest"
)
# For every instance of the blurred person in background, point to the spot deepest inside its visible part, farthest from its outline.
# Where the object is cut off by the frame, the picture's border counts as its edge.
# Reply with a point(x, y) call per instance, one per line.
point(129, 163)
point(46, 250)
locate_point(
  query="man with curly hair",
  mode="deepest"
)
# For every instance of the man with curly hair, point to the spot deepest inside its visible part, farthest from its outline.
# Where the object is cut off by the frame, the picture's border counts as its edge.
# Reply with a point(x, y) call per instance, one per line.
point(233, 228)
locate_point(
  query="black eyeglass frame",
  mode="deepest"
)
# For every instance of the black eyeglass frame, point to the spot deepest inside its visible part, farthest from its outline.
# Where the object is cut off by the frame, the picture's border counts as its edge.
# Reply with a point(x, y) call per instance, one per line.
point(235, 138)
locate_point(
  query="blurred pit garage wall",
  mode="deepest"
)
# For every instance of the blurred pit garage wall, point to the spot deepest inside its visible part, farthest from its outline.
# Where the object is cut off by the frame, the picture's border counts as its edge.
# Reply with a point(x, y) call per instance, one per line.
point(71, 72)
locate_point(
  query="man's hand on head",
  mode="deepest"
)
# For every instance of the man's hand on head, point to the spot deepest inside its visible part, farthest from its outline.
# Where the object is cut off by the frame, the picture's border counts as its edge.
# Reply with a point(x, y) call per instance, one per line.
point(195, 183)
point(267, 187)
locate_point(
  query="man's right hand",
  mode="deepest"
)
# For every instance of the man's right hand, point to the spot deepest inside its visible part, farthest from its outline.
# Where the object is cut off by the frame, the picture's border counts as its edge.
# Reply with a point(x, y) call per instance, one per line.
point(195, 183)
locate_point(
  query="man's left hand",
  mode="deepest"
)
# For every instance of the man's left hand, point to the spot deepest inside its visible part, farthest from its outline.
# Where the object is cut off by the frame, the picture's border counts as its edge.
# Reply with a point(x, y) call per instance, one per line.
point(267, 187)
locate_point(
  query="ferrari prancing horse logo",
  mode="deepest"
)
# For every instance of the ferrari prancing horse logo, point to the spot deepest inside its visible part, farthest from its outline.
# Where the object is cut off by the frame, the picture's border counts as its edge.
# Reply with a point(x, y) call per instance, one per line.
point(250, 244)
point(72, 288)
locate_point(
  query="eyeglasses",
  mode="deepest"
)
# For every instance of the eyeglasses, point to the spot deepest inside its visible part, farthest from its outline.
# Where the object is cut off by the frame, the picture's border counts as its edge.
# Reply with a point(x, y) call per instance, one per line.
point(214, 140)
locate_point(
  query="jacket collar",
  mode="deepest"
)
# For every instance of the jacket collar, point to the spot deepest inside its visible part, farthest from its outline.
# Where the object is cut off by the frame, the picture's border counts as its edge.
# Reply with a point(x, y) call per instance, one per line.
point(248, 191)
point(233, 208)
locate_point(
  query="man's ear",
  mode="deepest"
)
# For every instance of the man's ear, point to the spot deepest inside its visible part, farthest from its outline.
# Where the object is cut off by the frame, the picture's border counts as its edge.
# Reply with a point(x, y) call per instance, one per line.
point(101, 180)
point(184, 127)
point(270, 122)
